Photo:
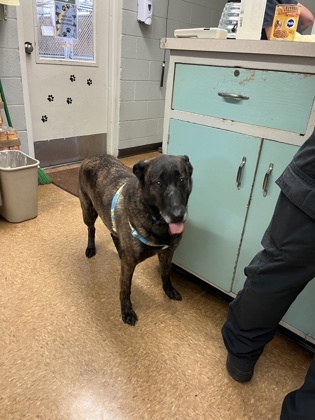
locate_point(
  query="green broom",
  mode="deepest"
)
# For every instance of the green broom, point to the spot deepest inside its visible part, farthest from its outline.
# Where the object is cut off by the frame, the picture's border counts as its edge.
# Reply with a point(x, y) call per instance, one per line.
point(43, 178)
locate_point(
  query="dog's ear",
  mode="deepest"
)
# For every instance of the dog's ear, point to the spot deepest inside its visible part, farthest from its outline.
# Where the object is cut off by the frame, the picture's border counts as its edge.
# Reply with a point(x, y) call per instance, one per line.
point(140, 168)
point(190, 168)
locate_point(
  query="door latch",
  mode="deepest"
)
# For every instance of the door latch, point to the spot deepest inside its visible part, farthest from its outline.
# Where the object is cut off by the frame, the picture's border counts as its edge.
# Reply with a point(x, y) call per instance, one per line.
point(28, 47)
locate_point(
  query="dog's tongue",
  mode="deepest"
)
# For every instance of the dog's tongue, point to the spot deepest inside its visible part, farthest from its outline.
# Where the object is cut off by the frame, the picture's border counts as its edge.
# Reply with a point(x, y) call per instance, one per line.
point(175, 228)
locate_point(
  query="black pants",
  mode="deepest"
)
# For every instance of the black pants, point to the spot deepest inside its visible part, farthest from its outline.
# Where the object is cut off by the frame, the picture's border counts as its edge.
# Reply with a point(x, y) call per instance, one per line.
point(275, 277)
point(300, 404)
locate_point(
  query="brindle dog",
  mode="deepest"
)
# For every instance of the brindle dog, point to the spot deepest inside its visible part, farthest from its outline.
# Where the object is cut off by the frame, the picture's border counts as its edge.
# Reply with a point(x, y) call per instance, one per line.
point(144, 211)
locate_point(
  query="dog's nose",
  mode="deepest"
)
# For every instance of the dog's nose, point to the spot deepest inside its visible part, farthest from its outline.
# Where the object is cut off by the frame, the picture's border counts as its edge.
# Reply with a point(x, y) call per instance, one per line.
point(178, 214)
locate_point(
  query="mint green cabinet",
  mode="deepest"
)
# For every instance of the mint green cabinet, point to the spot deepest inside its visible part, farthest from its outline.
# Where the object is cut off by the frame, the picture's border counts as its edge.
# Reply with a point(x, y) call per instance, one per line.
point(221, 116)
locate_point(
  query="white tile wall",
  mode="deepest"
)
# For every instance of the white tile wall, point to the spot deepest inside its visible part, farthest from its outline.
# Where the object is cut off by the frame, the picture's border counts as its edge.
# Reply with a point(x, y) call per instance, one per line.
point(141, 97)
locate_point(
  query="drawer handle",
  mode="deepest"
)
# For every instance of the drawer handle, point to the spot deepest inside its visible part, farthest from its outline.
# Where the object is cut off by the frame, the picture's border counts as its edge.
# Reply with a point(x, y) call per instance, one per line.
point(239, 173)
point(266, 179)
point(233, 96)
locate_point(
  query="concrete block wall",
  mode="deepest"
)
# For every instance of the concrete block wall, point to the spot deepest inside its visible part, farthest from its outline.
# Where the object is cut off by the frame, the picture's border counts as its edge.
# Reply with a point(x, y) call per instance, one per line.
point(141, 97)
point(10, 74)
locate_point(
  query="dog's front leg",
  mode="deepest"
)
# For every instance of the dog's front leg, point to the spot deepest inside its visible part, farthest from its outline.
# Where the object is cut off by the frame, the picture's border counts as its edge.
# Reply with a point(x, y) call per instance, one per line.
point(127, 313)
point(165, 259)
point(91, 250)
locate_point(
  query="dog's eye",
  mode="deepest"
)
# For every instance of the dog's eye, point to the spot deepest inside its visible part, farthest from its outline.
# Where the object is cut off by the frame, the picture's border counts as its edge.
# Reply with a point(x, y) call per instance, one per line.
point(159, 183)
point(182, 180)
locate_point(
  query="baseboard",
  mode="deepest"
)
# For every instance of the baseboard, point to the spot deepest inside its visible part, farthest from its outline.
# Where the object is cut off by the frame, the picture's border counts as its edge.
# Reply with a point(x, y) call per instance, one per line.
point(138, 150)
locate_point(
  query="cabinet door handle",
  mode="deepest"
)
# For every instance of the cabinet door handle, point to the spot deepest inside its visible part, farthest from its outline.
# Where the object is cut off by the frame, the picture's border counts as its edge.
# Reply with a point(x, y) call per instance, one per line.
point(239, 173)
point(233, 96)
point(266, 179)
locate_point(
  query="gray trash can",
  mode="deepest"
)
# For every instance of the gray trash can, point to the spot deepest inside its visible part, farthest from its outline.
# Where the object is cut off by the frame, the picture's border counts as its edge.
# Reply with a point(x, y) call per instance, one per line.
point(18, 186)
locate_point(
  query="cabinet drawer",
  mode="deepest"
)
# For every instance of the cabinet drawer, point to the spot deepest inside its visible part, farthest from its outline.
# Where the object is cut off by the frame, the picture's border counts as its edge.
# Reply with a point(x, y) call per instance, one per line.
point(277, 100)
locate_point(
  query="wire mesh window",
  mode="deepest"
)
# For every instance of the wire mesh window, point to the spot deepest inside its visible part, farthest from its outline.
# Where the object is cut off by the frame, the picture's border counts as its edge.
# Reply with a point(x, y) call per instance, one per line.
point(65, 29)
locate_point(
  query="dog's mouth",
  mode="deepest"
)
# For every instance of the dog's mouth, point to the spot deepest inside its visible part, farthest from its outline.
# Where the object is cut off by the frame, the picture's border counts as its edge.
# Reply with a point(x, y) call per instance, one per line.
point(175, 221)
point(176, 228)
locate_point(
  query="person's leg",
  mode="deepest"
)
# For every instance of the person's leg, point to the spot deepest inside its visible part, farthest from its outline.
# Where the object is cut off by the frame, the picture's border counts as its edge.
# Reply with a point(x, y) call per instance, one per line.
point(274, 279)
point(300, 404)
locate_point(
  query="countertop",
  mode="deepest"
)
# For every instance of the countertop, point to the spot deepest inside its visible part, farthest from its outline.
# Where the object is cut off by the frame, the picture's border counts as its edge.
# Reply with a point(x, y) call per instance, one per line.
point(240, 46)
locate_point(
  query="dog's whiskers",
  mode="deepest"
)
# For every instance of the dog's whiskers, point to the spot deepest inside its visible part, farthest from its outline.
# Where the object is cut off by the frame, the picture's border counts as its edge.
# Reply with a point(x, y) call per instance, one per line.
point(157, 219)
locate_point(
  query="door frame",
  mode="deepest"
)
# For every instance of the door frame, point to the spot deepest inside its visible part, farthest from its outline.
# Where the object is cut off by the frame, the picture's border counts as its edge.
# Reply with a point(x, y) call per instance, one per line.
point(113, 83)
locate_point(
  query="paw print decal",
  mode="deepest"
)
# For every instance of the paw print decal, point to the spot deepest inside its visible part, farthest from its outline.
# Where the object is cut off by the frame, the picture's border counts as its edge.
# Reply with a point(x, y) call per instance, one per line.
point(69, 101)
point(44, 118)
point(89, 82)
point(50, 98)
point(72, 78)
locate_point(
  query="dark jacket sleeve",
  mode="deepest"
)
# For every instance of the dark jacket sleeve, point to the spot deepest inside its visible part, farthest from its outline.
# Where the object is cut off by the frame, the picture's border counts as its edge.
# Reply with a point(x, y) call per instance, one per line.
point(297, 181)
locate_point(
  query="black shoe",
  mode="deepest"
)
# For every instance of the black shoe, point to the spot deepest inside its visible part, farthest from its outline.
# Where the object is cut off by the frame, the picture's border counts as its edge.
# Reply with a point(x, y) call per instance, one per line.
point(237, 374)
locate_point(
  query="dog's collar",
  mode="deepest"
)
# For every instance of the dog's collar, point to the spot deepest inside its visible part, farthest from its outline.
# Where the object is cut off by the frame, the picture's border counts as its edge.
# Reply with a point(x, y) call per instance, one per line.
point(113, 205)
point(134, 233)
point(137, 235)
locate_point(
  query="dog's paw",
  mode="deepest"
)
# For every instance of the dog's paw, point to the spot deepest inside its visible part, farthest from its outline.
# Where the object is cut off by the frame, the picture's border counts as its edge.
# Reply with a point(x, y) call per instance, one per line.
point(90, 252)
point(173, 294)
point(129, 317)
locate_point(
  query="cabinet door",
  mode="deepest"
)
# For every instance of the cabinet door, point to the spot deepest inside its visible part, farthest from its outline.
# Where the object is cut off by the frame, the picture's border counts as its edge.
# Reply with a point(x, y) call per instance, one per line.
point(261, 208)
point(217, 208)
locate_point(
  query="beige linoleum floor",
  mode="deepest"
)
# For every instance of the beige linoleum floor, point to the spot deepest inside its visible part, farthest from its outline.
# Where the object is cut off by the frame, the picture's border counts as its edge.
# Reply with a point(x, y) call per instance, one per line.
point(66, 354)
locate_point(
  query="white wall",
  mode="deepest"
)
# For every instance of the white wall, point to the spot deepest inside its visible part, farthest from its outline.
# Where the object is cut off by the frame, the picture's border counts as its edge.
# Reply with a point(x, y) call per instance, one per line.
point(10, 74)
point(142, 98)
